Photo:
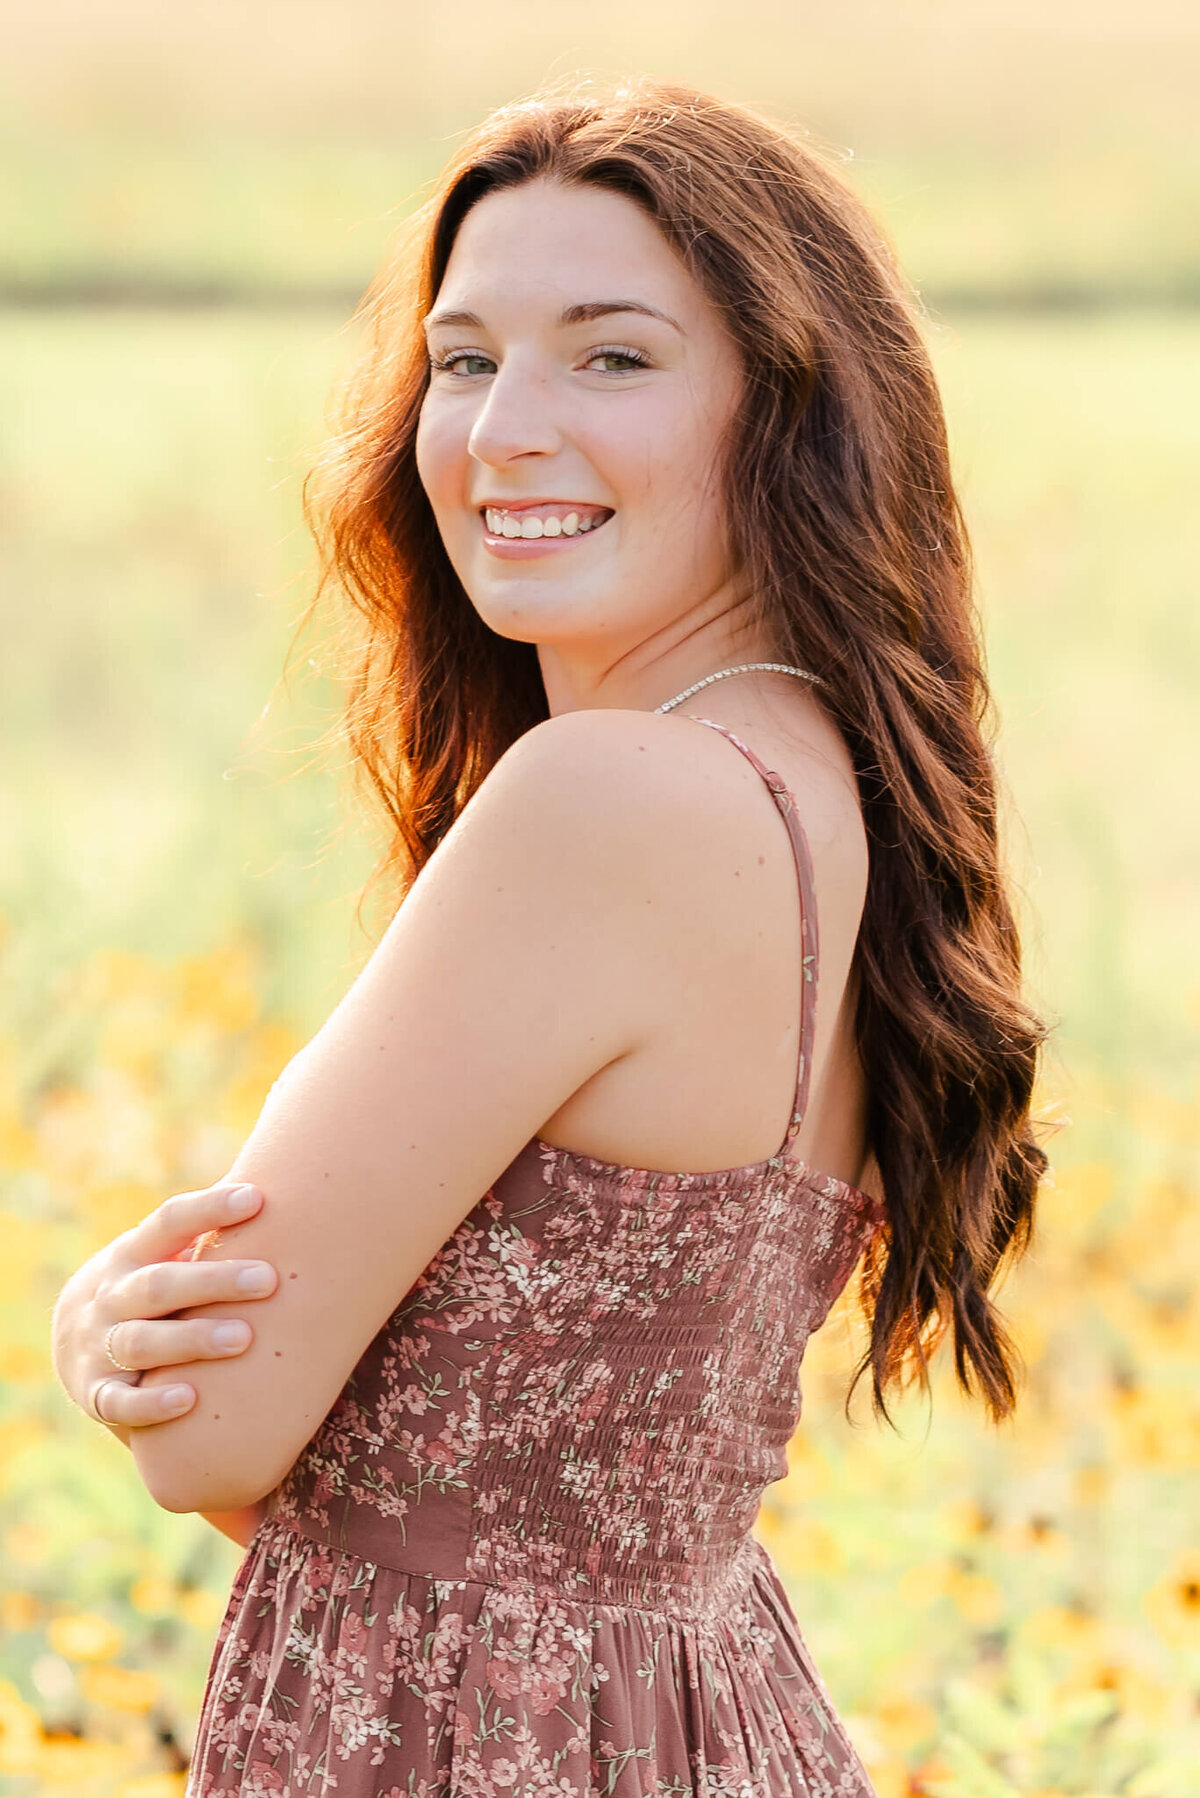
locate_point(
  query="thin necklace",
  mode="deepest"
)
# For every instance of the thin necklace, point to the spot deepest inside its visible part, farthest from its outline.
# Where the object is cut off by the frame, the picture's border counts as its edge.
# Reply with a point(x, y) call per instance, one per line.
point(742, 668)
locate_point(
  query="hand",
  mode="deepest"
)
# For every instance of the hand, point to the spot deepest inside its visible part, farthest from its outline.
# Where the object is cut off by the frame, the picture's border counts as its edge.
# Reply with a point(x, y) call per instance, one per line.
point(138, 1281)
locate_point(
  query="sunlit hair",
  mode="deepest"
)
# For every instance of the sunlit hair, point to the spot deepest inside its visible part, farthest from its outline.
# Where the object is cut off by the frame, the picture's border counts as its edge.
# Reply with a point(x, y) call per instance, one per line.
point(842, 510)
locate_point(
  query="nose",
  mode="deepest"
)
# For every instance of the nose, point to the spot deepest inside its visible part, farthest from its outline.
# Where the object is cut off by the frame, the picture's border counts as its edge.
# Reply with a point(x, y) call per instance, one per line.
point(516, 417)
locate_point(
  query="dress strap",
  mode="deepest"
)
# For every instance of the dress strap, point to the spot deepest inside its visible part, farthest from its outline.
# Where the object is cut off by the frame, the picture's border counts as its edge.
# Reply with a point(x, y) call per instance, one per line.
point(809, 946)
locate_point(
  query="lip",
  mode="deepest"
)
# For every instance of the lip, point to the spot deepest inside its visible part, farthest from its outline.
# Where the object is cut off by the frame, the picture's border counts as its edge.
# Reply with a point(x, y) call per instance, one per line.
point(527, 549)
point(546, 499)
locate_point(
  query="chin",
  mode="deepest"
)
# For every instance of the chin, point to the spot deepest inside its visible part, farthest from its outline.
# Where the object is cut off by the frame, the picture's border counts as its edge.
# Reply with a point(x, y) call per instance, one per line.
point(526, 610)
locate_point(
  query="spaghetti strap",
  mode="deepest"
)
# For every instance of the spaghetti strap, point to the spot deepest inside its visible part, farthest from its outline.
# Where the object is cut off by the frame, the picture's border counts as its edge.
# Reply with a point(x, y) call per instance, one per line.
point(809, 944)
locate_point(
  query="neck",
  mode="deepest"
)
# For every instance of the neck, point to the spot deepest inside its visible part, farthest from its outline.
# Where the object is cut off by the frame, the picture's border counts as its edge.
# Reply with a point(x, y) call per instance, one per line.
point(639, 685)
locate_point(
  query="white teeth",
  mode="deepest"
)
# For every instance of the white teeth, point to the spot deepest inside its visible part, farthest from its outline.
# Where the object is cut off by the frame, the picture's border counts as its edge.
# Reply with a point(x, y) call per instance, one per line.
point(504, 524)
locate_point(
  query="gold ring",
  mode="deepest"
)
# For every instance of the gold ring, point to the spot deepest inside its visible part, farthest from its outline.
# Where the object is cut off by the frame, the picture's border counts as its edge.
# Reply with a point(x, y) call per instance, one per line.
point(108, 1336)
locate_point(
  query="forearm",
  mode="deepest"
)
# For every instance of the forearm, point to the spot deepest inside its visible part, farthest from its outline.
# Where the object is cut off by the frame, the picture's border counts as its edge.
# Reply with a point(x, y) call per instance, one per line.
point(239, 1526)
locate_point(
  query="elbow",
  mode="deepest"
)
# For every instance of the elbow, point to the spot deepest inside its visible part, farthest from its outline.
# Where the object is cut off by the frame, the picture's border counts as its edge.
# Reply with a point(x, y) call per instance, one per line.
point(214, 1495)
point(181, 1482)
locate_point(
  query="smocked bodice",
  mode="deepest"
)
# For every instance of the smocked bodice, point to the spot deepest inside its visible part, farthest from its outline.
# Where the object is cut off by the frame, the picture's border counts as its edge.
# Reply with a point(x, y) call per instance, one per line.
point(591, 1385)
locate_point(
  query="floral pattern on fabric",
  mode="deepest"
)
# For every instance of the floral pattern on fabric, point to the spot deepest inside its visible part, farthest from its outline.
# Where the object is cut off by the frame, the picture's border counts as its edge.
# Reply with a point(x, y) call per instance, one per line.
point(516, 1558)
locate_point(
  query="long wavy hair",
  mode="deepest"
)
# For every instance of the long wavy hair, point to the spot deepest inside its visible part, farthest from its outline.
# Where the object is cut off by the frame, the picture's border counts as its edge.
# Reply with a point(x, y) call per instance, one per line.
point(842, 511)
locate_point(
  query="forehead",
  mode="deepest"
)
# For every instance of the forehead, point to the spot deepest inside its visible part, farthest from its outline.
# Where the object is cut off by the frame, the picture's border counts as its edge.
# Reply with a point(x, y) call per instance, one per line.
point(554, 242)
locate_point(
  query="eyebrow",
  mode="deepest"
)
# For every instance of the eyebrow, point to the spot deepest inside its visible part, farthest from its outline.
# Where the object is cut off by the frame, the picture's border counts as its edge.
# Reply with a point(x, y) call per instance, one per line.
point(580, 314)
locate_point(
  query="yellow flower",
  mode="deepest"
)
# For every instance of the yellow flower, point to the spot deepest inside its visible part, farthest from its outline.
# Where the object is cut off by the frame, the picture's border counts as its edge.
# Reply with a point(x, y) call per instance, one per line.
point(17, 1146)
point(964, 1517)
point(1034, 1535)
point(20, 1732)
point(903, 1722)
point(218, 990)
point(1092, 1483)
point(119, 1688)
point(18, 1611)
point(154, 1785)
point(889, 1777)
point(153, 1595)
point(1156, 1426)
point(84, 1636)
point(18, 1362)
point(201, 1608)
point(111, 1208)
point(1075, 1633)
point(978, 1598)
point(809, 1546)
point(925, 1583)
point(1136, 1694)
point(1076, 1196)
point(68, 1765)
point(1173, 1605)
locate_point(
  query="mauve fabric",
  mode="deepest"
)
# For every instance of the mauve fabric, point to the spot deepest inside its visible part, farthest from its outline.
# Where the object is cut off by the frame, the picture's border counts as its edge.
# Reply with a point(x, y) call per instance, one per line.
point(517, 1557)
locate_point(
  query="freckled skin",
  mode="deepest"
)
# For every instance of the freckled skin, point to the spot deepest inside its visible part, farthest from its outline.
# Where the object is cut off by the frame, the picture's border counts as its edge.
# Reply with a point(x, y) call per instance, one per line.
point(540, 418)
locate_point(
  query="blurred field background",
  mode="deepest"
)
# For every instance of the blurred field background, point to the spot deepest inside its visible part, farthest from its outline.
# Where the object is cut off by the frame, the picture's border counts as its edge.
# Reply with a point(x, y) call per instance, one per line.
point(191, 202)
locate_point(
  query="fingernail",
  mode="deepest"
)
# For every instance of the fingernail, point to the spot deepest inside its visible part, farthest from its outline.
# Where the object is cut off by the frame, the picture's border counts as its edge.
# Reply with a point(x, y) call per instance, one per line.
point(231, 1335)
point(175, 1398)
point(242, 1198)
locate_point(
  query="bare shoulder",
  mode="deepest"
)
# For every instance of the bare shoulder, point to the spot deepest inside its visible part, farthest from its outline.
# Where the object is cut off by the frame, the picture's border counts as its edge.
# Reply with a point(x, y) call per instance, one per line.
point(643, 796)
point(672, 845)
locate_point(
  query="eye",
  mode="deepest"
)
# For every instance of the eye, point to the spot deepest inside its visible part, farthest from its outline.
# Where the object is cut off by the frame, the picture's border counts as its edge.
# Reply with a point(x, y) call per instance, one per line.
point(607, 353)
point(445, 363)
point(619, 353)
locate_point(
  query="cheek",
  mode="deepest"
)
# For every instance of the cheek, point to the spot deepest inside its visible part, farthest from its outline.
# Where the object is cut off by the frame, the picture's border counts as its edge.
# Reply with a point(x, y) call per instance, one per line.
point(438, 456)
point(673, 466)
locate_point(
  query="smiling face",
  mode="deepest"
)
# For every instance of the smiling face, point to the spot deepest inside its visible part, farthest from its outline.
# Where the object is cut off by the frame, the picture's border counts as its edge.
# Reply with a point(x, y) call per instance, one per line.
point(581, 382)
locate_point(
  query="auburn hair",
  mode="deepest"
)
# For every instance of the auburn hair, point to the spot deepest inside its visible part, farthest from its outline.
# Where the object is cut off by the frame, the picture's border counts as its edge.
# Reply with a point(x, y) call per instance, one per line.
point(842, 510)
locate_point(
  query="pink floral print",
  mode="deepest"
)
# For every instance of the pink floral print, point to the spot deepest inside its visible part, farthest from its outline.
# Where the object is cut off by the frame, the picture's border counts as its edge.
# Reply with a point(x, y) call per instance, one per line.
point(516, 1558)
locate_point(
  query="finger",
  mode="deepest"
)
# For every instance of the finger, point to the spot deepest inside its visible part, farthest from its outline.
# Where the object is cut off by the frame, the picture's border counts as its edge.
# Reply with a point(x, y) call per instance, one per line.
point(175, 1224)
point(119, 1402)
point(140, 1343)
point(164, 1288)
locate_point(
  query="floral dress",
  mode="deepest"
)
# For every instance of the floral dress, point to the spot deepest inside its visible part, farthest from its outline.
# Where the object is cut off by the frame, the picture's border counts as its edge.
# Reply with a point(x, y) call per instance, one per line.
point(516, 1558)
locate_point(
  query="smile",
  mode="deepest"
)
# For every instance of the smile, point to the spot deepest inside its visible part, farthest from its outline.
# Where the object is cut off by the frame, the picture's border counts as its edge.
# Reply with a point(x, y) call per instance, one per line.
point(531, 532)
point(533, 523)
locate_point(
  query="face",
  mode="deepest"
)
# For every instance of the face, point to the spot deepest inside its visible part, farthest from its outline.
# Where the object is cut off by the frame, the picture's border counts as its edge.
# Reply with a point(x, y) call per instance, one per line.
point(568, 441)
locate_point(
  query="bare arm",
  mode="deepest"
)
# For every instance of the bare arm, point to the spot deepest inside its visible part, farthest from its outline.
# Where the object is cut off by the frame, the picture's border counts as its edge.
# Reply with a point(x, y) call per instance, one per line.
point(526, 957)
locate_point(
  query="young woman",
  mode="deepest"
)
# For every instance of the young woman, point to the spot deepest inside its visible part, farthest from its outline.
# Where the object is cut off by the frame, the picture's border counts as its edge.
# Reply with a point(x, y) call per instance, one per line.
point(707, 1009)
